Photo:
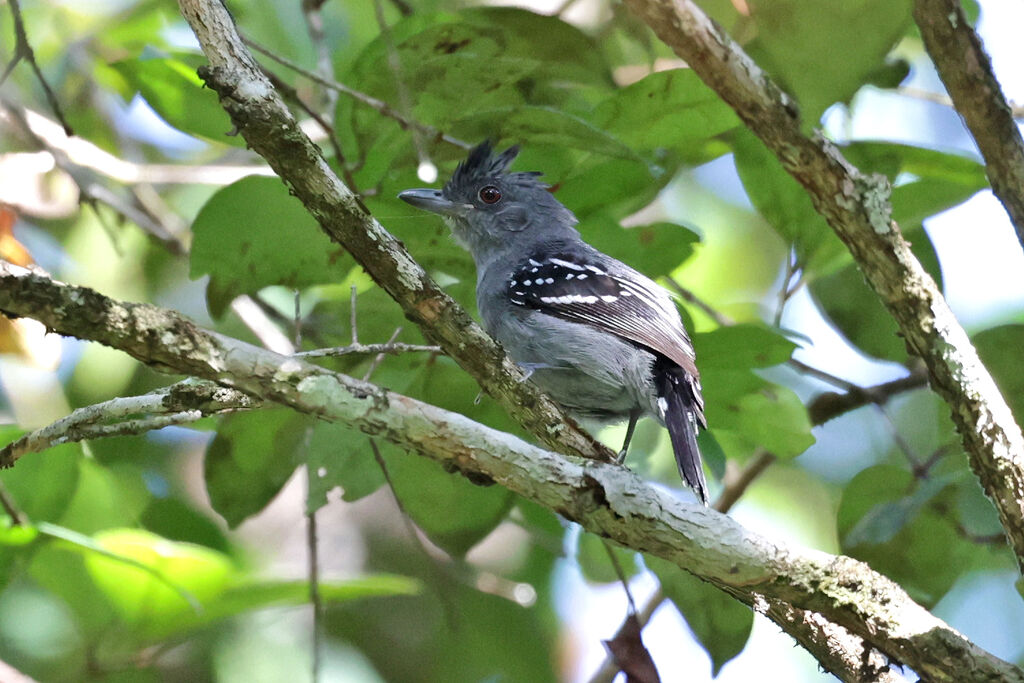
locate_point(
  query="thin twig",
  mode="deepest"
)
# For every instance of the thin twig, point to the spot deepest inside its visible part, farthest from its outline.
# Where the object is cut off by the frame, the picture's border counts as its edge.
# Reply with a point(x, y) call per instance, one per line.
point(383, 108)
point(688, 295)
point(313, 569)
point(181, 403)
point(380, 356)
point(292, 95)
point(395, 66)
point(324, 64)
point(16, 515)
point(393, 348)
point(788, 288)
point(23, 50)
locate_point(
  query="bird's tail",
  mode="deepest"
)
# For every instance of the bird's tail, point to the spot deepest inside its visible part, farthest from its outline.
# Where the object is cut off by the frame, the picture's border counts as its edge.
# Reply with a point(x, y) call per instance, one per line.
point(681, 407)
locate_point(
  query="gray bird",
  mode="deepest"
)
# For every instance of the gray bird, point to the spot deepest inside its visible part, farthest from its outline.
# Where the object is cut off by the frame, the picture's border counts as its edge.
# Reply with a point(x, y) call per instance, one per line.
point(604, 341)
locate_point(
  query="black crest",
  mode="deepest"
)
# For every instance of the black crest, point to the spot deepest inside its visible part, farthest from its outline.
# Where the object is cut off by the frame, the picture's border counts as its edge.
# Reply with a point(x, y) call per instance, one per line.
point(483, 164)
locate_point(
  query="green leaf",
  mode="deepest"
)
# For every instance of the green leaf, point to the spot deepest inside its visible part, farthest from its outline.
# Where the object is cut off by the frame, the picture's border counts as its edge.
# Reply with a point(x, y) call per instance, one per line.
point(746, 345)
point(719, 622)
point(252, 234)
point(173, 89)
point(42, 486)
point(999, 349)
point(248, 596)
point(856, 311)
point(251, 458)
point(786, 206)
point(544, 126)
point(886, 519)
point(594, 563)
point(667, 109)
point(798, 43)
point(926, 181)
point(655, 249)
point(454, 513)
point(744, 411)
point(144, 599)
point(340, 457)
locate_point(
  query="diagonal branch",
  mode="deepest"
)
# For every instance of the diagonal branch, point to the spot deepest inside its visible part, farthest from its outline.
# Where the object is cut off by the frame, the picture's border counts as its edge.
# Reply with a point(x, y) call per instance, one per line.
point(264, 121)
point(966, 71)
point(605, 499)
point(858, 210)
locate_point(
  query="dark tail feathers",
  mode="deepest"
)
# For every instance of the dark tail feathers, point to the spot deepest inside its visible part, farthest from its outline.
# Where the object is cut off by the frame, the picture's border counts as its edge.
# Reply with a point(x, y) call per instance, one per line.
point(682, 412)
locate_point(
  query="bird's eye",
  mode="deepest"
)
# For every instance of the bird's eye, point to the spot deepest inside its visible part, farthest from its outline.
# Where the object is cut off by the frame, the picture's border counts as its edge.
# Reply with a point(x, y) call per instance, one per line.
point(489, 194)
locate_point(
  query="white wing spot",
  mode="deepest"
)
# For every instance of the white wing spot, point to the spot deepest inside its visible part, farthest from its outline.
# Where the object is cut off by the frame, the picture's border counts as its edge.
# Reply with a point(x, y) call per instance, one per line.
point(608, 298)
point(527, 282)
point(550, 281)
point(534, 263)
point(662, 406)
point(566, 264)
point(569, 276)
point(594, 269)
point(582, 276)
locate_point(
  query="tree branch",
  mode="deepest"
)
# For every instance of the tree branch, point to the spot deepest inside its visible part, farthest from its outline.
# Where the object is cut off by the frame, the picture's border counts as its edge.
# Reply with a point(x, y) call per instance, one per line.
point(966, 71)
point(858, 210)
point(262, 118)
point(605, 499)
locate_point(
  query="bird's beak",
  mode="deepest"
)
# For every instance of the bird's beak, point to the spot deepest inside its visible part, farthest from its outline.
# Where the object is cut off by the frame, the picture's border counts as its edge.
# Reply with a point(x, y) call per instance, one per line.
point(431, 200)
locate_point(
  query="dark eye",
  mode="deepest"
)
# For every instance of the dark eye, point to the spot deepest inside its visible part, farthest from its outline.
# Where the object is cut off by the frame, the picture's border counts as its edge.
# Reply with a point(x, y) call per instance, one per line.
point(489, 194)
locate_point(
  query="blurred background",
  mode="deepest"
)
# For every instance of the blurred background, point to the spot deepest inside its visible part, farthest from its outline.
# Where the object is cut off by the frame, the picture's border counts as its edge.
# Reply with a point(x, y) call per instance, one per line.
point(426, 577)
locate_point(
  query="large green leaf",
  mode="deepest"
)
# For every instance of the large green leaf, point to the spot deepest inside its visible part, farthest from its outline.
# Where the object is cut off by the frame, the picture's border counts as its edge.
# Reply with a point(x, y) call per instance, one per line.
point(745, 411)
point(786, 206)
point(719, 622)
point(252, 234)
point(173, 89)
point(926, 181)
point(667, 109)
point(854, 308)
point(251, 458)
point(886, 518)
point(798, 43)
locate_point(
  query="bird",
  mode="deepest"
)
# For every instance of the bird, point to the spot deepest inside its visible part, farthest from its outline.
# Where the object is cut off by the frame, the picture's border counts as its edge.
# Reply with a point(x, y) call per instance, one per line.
point(603, 340)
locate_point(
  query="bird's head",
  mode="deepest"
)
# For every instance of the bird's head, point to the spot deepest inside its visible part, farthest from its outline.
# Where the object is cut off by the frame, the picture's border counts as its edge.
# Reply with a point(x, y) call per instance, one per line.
point(489, 209)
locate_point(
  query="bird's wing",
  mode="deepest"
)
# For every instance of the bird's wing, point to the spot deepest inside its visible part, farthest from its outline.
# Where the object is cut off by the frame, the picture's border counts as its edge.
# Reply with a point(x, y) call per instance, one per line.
point(615, 299)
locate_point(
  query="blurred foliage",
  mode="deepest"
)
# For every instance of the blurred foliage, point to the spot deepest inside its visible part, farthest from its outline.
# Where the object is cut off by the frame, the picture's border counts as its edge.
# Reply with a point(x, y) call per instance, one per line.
point(135, 548)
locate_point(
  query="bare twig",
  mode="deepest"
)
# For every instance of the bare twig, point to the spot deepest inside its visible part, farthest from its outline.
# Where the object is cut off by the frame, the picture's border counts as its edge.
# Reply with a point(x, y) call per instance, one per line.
point(830, 405)
point(7, 502)
point(393, 348)
point(966, 71)
point(939, 98)
point(180, 403)
point(23, 50)
point(688, 296)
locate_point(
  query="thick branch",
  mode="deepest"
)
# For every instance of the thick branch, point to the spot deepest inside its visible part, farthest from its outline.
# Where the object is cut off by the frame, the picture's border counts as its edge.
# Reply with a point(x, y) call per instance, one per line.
point(263, 119)
point(605, 499)
point(857, 208)
point(966, 71)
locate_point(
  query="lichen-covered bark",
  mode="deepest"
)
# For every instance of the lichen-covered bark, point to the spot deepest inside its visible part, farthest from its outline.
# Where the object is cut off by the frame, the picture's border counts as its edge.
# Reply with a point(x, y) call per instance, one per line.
point(966, 71)
point(858, 210)
point(262, 118)
point(606, 499)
